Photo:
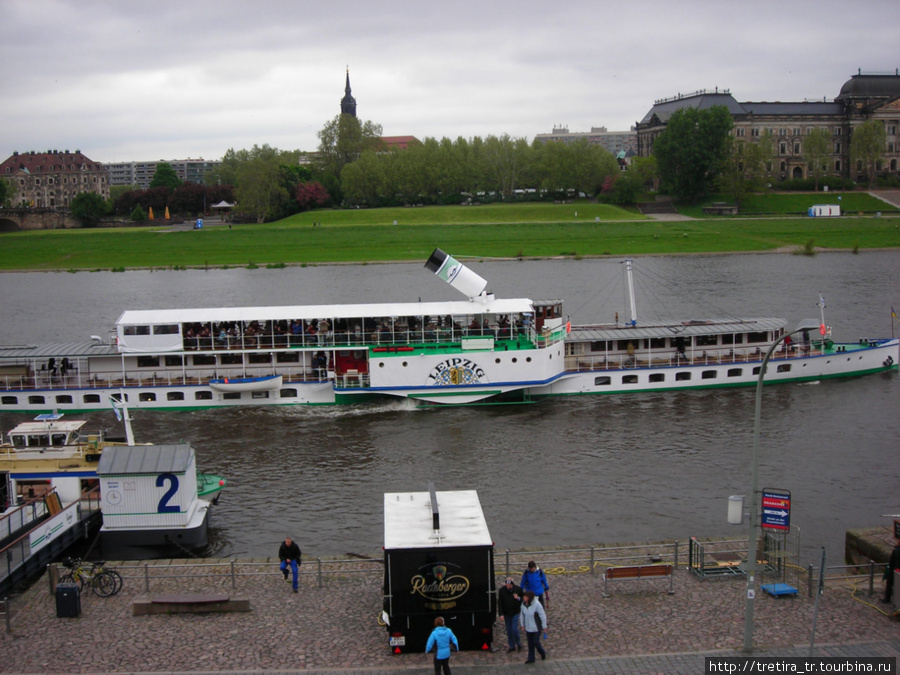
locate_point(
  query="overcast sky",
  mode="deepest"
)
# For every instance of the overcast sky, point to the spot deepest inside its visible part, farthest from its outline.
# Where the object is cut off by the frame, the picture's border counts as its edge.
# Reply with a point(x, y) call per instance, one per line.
point(124, 80)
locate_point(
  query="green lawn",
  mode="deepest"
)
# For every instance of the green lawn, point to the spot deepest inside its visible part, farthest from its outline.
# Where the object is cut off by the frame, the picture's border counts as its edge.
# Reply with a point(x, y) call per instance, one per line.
point(465, 232)
point(528, 212)
point(795, 203)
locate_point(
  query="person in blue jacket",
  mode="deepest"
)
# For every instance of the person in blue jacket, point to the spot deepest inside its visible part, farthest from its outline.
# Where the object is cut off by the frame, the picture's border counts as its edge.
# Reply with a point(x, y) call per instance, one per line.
point(440, 640)
point(535, 580)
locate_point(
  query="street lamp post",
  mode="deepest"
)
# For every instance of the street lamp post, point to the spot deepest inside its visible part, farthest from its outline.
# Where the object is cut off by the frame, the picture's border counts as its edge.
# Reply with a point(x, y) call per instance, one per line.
point(754, 513)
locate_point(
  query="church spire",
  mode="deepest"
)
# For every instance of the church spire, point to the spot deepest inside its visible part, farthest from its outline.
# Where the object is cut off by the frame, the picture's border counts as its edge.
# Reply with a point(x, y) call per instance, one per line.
point(348, 103)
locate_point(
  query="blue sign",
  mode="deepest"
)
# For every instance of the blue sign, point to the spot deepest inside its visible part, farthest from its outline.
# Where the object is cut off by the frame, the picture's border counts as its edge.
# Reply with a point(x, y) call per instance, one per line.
point(776, 509)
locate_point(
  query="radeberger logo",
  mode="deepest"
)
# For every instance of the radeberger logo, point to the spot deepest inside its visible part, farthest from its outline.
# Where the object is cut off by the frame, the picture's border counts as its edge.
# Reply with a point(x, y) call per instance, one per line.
point(435, 584)
point(457, 370)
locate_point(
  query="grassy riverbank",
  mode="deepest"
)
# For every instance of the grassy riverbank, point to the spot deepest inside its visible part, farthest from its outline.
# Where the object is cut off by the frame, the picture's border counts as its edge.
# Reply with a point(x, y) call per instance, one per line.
point(575, 230)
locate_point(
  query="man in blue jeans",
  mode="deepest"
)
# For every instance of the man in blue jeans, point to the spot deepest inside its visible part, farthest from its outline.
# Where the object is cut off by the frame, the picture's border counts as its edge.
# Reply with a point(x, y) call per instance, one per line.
point(509, 599)
point(289, 553)
point(535, 580)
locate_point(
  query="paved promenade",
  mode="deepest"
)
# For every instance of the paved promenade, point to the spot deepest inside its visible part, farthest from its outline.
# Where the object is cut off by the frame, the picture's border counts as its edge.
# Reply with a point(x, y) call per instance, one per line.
point(335, 629)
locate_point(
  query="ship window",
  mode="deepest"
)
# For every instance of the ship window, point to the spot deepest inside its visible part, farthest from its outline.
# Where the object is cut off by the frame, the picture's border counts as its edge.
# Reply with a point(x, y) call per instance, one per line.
point(728, 339)
point(136, 330)
point(166, 329)
point(756, 370)
point(708, 375)
point(204, 360)
point(600, 346)
point(783, 368)
point(657, 343)
point(36, 399)
point(174, 361)
point(706, 340)
point(602, 381)
point(63, 398)
point(657, 377)
point(260, 394)
point(265, 357)
point(288, 393)
point(91, 398)
point(287, 357)
point(57, 440)
point(148, 362)
point(146, 396)
point(202, 395)
point(629, 379)
point(9, 400)
point(231, 395)
point(175, 396)
point(231, 359)
point(623, 344)
point(758, 337)
point(682, 376)
point(735, 372)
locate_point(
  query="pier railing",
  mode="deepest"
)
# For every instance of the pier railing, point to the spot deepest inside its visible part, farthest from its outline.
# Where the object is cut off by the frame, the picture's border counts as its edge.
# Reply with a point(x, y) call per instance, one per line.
point(153, 575)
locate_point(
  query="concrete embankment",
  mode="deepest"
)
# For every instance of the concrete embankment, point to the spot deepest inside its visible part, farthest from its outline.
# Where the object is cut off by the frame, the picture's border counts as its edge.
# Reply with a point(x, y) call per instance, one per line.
point(334, 627)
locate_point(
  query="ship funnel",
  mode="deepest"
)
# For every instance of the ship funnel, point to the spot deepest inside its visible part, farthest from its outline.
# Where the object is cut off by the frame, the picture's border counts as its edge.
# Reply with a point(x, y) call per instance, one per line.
point(456, 274)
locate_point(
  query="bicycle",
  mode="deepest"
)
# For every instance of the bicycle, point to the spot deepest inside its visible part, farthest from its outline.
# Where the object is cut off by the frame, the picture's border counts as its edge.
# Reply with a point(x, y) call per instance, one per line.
point(103, 581)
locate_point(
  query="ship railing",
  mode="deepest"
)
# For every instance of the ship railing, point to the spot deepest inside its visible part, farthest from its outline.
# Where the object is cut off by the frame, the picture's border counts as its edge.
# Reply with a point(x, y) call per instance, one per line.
point(386, 335)
point(623, 361)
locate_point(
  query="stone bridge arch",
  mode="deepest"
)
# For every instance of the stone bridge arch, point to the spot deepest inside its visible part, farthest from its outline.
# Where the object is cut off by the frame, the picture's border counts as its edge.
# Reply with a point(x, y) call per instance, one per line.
point(13, 220)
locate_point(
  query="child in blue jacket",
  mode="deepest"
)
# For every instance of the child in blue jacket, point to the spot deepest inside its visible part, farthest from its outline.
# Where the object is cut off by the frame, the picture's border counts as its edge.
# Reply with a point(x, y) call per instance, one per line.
point(441, 638)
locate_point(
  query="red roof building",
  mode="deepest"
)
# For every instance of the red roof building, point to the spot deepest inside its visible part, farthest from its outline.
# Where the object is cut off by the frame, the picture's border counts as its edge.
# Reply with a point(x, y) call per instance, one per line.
point(399, 142)
point(50, 179)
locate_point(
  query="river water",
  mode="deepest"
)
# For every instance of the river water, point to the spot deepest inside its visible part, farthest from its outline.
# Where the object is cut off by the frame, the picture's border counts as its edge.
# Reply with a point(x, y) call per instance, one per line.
point(567, 471)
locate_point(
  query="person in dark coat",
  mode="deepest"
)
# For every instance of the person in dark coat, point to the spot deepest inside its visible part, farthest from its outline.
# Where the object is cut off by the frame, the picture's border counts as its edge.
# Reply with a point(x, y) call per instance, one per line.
point(289, 554)
point(509, 597)
point(893, 564)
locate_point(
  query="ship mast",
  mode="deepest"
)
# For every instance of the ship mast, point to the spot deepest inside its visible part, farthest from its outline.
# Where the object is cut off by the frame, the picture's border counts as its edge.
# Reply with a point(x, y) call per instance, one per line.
point(629, 281)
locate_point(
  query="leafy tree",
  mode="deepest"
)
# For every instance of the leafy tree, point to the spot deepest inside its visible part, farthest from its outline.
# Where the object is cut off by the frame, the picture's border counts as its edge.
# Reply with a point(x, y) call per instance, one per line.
point(644, 170)
point(690, 151)
point(165, 176)
point(310, 195)
point(89, 208)
point(260, 192)
point(343, 140)
point(138, 215)
point(155, 198)
point(867, 146)
point(744, 169)
point(7, 190)
point(816, 150)
point(189, 198)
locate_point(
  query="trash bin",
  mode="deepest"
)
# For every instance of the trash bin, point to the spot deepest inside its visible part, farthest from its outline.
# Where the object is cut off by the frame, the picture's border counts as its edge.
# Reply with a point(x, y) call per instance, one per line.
point(68, 600)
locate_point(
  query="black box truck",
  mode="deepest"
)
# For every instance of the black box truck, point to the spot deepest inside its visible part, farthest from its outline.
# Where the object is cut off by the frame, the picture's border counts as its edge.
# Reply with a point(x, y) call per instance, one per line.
point(438, 561)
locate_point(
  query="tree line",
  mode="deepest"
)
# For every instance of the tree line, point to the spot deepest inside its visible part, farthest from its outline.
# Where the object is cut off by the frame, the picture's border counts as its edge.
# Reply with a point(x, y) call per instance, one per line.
point(695, 156)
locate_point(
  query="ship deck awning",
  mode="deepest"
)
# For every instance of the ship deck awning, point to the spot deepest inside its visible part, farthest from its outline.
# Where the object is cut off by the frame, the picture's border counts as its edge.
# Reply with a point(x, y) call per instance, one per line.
point(145, 459)
point(671, 330)
point(481, 305)
point(59, 350)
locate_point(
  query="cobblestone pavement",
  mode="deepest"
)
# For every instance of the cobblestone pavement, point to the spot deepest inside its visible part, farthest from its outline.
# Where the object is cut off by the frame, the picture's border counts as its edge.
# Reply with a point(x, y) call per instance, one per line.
point(639, 629)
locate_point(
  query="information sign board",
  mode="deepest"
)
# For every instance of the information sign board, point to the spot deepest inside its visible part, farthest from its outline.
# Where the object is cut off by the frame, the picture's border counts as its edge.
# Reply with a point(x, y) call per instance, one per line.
point(776, 509)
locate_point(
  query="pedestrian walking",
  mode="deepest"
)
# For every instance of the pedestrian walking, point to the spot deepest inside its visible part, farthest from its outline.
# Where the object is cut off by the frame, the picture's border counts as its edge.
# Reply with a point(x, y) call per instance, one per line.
point(893, 564)
point(535, 580)
point(289, 554)
point(534, 620)
point(440, 640)
point(509, 598)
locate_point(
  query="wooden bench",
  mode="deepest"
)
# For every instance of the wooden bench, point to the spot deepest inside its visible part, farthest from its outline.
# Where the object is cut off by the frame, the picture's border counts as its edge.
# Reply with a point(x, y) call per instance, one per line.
point(195, 603)
point(638, 572)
